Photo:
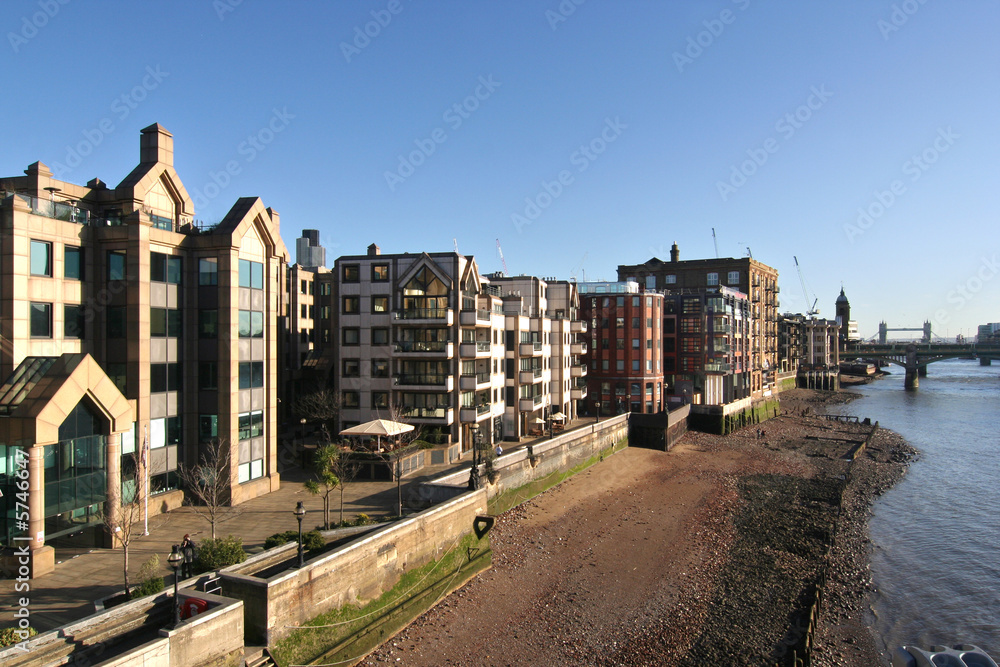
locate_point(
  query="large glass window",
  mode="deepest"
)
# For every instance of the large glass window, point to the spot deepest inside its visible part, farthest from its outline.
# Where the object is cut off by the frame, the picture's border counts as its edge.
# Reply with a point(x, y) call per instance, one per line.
point(352, 367)
point(251, 324)
point(351, 273)
point(733, 278)
point(165, 322)
point(208, 427)
point(351, 304)
point(251, 374)
point(380, 273)
point(380, 336)
point(712, 278)
point(380, 368)
point(208, 271)
point(164, 377)
point(251, 425)
point(72, 263)
point(208, 323)
point(41, 320)
point(251, 274)
point(41, 258)
point(351, 336)
point(380, 304)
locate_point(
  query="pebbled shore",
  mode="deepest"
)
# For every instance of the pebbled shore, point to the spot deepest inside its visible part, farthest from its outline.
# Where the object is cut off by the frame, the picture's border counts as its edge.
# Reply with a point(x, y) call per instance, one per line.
point(702, 555)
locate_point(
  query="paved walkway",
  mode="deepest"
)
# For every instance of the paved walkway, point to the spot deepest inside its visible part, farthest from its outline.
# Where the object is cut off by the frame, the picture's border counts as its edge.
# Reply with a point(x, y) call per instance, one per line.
point(84, 575)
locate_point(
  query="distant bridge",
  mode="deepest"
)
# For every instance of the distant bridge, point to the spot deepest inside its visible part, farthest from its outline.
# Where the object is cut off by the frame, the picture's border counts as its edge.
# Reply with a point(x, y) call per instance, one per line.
point(914, 357)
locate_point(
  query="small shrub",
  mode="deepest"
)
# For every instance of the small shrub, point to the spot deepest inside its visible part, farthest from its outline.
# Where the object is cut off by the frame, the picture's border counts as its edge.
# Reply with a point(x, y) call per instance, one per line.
point(11, 636)
point(221, 552)
point(363, 519)
point(150, 582)
point(422, 444)
point(311, 541)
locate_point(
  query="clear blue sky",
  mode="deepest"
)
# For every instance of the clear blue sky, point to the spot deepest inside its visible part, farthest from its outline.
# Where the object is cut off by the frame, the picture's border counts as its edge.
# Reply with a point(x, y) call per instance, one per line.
point(667, 98)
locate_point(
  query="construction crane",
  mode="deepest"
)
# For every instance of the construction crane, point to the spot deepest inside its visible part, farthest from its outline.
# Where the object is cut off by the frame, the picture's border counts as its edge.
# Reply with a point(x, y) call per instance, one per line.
point(716, 242)
point(813, 311)
point(502, 260)
point(572, 274)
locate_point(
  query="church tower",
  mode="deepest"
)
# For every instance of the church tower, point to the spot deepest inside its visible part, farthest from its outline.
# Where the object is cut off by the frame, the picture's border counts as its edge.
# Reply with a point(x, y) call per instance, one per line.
point(843, 316)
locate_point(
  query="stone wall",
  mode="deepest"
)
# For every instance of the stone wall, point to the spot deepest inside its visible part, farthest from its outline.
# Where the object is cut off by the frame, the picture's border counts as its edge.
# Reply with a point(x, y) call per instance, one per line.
point(354, 573)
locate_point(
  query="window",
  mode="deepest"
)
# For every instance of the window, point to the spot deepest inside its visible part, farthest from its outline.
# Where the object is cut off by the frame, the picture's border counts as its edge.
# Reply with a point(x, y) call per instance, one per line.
point(380, 368)
point(208, 324)
point(208, 427)
point(208, 375)
point(352, 368)
point(116, 321)
point(620, 301)
point(251, 425)
point(208, 271)
point(164, 377)
point(351, 273)
point(251, 274)
point(650, 282)
point(303, 311)
point(712, 278)
point(352, 336)
point(380, 304)
point(351, 399)
point(380, 399)
point(670, 279)
point(380, 336)
point(251, 374)
point(380, 273)
point(165, 322)
point(325, 289)
point(164, 268)
point(620, 365)
point(636, 301)
point(116, 265)
point(635, 365)
point(303, 288)
point(117, 373)
point(73, 321)
point(620, 344)
point(41, 320)
point(41, 258)
point(72, 263)
point(635, 343)
point(733, 278)
point(351, 304)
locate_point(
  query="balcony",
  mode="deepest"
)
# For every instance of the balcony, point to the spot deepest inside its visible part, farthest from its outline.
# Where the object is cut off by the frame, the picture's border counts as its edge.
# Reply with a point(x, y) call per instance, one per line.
point(479, 349)
point(425, 315)
point(530, 349)
point(478, 413)
point(474, 382)
point(717, 367)
point(416, 348)
point(529, 404)
point(578, 371)
point(478, 317)
point(430, 415)
point(530, 376)
point(425, 381)
point(578, 348)
point(578, 326)
point(578, 393)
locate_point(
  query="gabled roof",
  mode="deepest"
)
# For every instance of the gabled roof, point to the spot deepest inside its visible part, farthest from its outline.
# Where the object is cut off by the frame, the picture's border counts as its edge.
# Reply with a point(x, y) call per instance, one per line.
point(42, 391)
point(250, 211)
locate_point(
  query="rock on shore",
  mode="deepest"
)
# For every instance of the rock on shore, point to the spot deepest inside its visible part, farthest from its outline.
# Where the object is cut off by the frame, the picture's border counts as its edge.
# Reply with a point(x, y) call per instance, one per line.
point(702, 555)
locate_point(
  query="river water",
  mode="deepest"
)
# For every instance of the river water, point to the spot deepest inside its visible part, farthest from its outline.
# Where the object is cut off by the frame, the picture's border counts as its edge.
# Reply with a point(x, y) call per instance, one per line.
point(936, 534)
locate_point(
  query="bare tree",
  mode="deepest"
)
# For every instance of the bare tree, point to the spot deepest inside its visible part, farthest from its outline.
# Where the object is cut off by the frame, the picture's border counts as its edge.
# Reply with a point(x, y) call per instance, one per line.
point(208, 483)
point(122, 515)
point(321, 406)
point(345, 469)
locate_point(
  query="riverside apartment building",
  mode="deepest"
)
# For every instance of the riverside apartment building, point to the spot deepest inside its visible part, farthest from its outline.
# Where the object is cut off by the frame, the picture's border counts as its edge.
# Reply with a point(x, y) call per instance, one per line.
point(126, 325)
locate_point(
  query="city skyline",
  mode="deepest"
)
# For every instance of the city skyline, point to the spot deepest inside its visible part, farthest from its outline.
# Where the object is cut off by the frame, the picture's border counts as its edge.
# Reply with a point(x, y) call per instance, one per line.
point(857, 139)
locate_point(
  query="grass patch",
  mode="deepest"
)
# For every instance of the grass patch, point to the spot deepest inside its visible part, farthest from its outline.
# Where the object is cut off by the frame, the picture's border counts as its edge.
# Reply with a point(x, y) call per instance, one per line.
point(357, 629)
point(514, 497)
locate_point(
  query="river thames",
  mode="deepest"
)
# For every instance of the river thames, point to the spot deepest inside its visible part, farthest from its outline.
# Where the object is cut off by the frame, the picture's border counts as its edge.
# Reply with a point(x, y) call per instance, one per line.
point(936, 534)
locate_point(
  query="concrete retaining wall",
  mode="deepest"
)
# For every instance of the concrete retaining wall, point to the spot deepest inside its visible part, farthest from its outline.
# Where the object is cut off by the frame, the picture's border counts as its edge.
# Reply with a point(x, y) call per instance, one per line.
point(723, 419)
point(354, 573)
point(211, 639)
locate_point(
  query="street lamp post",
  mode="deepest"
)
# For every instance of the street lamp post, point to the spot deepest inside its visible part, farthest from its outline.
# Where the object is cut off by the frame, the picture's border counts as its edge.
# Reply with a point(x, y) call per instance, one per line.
point(300, 513)
point(474, 473)
point(174, 560)
point(597, 404)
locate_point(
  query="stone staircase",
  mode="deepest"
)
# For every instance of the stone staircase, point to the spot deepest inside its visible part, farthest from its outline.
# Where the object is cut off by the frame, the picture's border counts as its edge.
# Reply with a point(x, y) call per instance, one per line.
point(258, 656)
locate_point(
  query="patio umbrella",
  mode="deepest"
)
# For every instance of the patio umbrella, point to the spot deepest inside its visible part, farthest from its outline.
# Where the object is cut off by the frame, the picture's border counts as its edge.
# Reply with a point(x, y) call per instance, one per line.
point(559, 417)
point(378, 428)
point(538, 420)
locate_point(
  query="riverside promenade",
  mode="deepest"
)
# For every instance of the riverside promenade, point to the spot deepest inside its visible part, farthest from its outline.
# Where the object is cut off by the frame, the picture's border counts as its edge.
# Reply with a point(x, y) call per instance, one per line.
point(84, 575)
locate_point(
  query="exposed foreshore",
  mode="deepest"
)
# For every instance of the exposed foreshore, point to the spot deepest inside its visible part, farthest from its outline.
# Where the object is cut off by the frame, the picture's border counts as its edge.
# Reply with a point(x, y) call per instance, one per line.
point(706, 554)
